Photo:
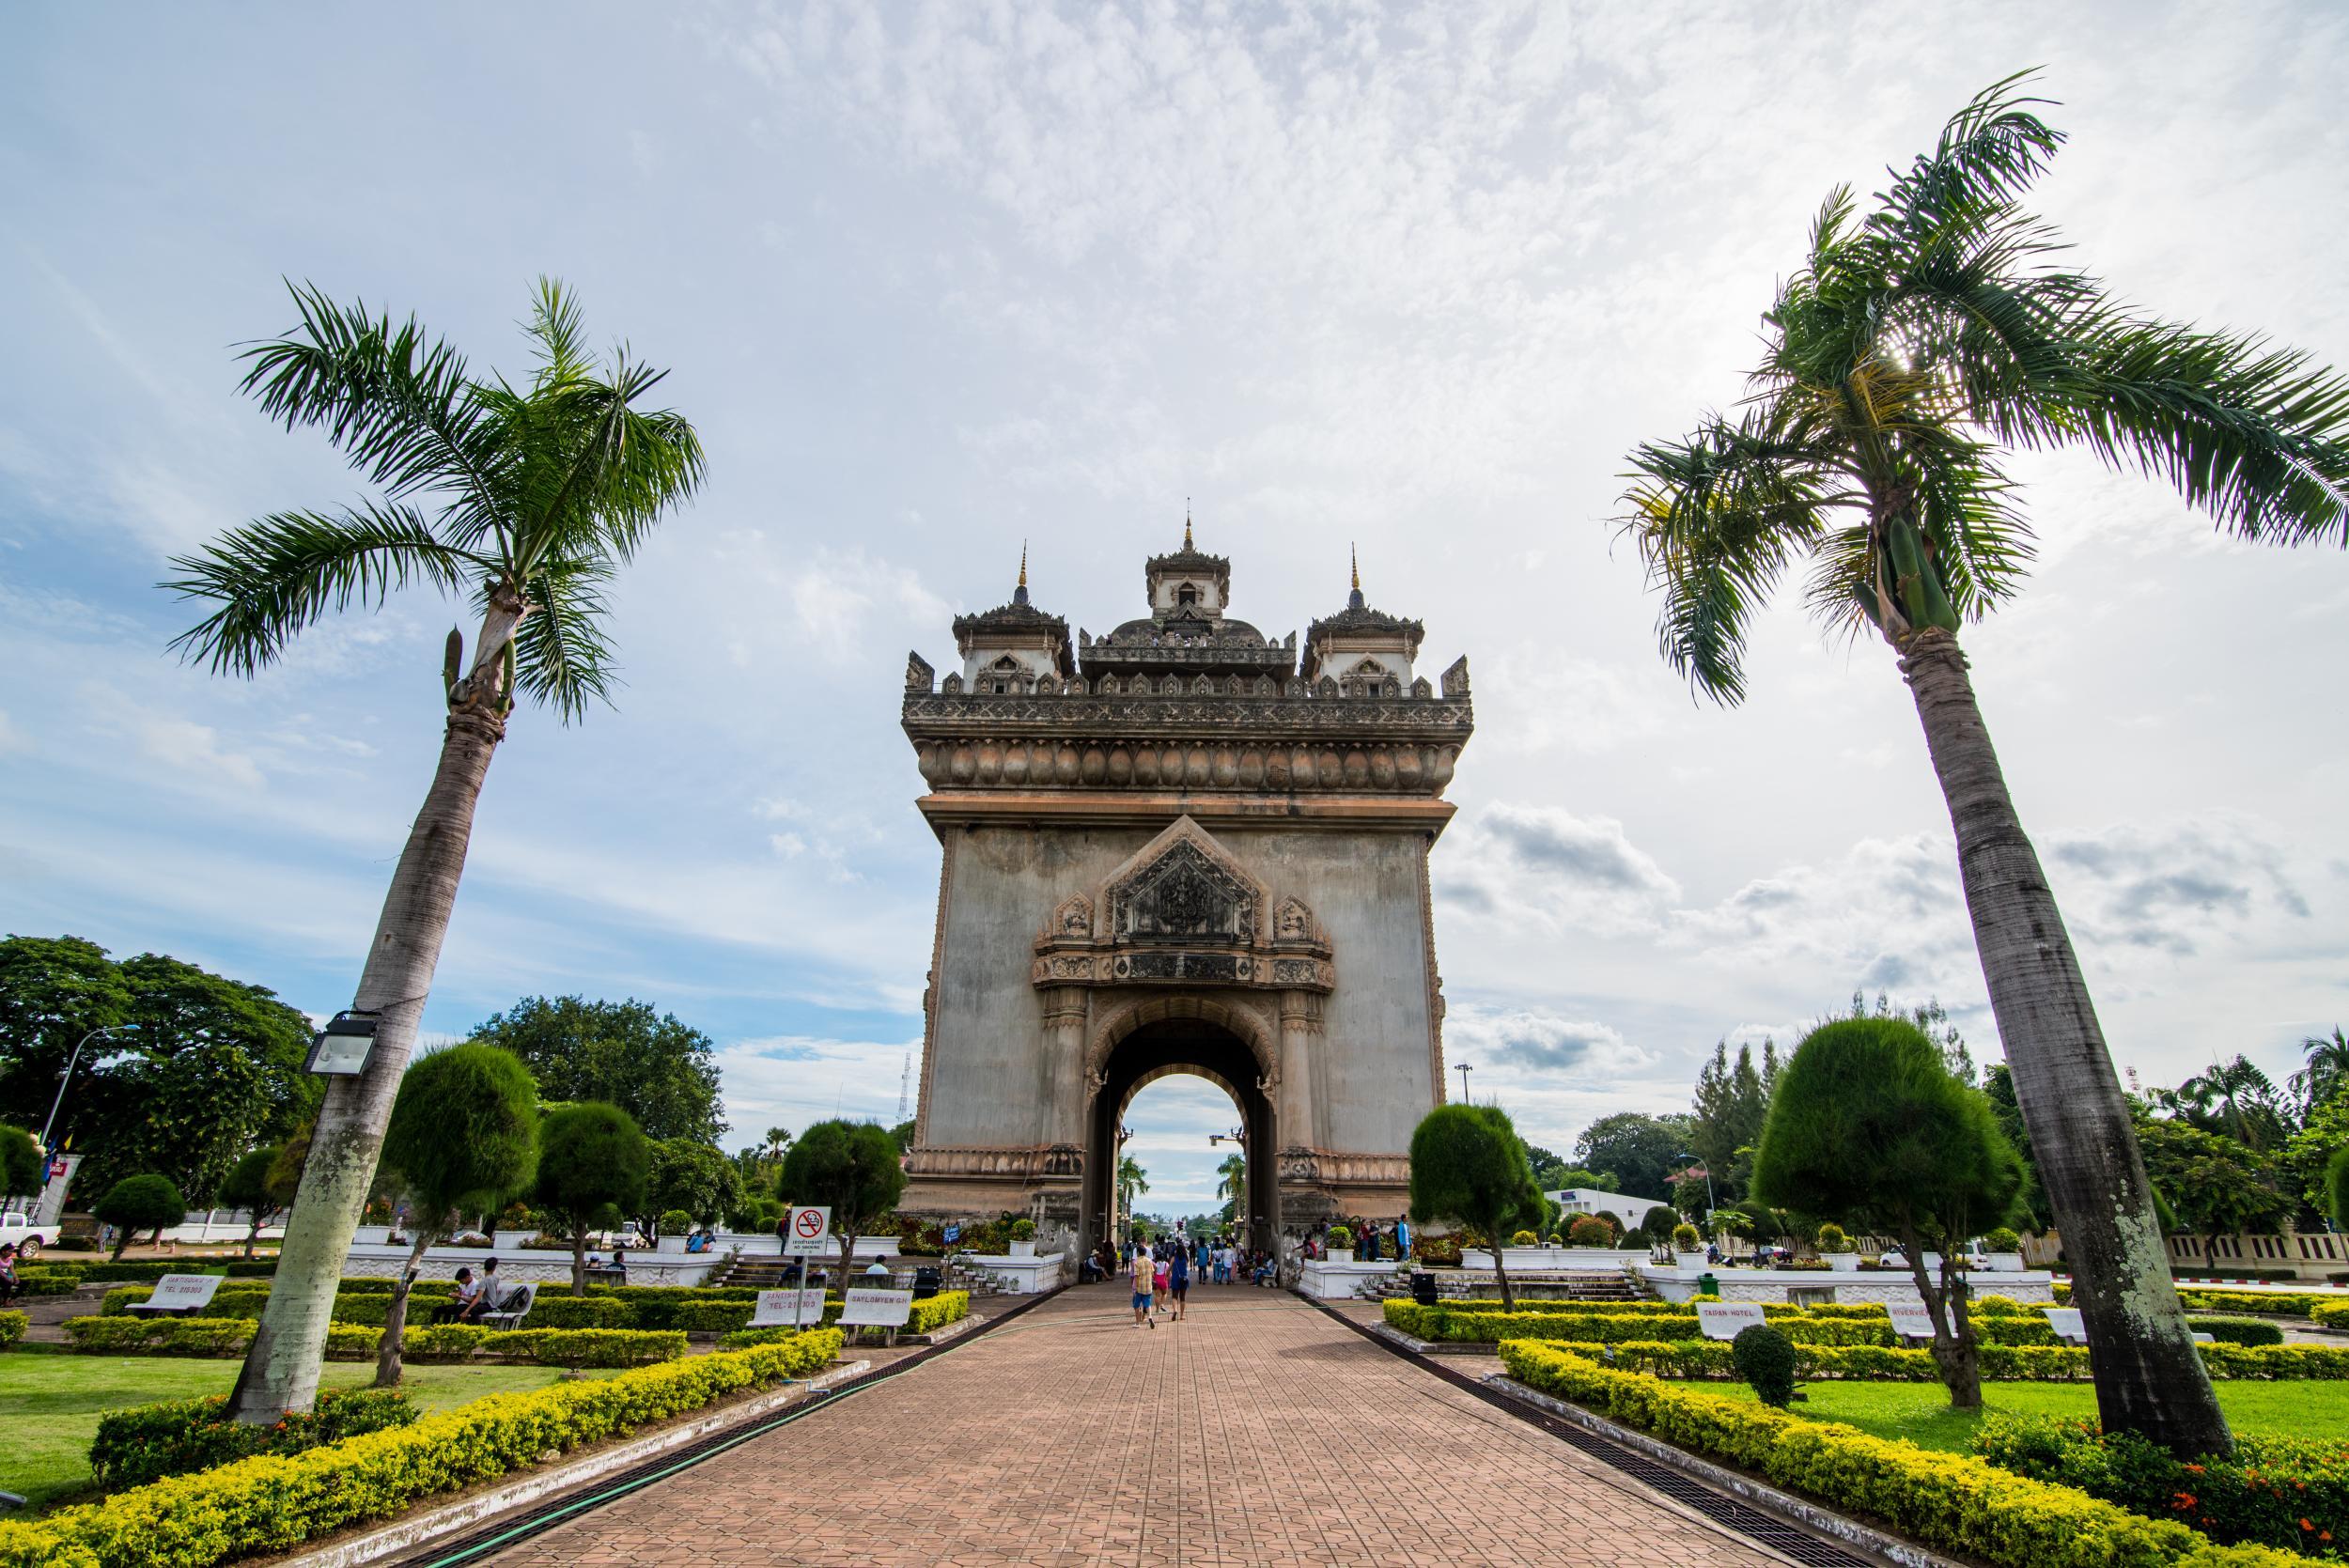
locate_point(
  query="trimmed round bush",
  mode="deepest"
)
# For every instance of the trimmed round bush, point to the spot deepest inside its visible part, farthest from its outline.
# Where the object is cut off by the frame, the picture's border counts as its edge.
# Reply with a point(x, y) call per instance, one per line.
point(1023, 1229)
point(1341, 1235)
point(1525, 1239)
point(1834, 1238)
point(1685, 1238)
point(1764, 1358)
point(2237, 1331)
point(1590, 1230)
point(137, 1204)
point(674, 1222)
point(2003, 1240)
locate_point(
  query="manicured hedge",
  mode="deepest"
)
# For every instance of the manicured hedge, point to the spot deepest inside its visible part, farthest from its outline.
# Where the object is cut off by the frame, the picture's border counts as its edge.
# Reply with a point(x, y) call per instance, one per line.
point(148, 1442)
point(2290, 1492)
point(1853, 1324)
point(148, 1270)
point(2260, 1303)
point(271, 1503)
point(2000, 1363)
point(13, 1327)
point(2330, 1314)
point(1950, 1502)
point(229, 1336)
point(2237, 1331)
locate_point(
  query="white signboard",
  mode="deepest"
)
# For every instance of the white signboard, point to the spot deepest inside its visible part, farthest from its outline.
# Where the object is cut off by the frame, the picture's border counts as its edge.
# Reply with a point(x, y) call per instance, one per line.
point(1725, 1320)
point(788, 1309)
point(877, 1308)
point(51, 1206)
point(1911, 1322)
point(808, 1233)
point(181, 1293)
point(2066, 1323)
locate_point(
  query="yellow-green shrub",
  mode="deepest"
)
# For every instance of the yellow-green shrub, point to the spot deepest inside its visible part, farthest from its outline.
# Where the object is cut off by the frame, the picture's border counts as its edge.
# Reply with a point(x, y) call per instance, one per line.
point(12, 1325)
point(2000, 1363)
point(1947, 1501)
point(271, 1503)
point(229, 1336)
point(2261, 1303)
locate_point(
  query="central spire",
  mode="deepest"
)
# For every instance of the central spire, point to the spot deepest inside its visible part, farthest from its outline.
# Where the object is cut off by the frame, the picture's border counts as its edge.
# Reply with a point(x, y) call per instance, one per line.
point(1186, 523)
point(1354, 558)
point(1020, 594)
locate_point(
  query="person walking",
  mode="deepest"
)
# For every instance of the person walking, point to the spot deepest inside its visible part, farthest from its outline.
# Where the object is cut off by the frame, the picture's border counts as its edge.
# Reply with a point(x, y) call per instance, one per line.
point(1179, 1279)
point(1158, 1280)
point(1140, 1270)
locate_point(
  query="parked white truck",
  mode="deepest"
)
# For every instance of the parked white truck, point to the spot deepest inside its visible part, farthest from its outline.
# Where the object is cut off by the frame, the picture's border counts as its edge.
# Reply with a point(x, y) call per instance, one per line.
point(17, 1227)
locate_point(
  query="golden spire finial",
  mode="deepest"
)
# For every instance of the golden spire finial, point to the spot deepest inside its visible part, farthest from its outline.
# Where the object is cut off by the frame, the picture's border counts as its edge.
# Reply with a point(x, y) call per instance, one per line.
point(1354, 558)
point(1023, 563)
point(1185, 523)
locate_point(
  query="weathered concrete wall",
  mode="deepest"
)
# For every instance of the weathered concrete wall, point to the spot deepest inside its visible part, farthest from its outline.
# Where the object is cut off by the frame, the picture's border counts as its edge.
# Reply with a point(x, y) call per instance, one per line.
point(992, 1082)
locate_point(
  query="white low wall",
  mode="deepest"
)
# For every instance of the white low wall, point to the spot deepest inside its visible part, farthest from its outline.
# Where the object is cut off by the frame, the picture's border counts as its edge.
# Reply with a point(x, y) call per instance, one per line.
point(1558, 1260)
point(1324, 1279)
point(366, 1261)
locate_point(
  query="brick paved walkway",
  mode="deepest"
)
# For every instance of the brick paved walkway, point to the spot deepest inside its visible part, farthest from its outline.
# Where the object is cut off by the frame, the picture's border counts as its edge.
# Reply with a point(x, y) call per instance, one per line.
point(1250, 1434)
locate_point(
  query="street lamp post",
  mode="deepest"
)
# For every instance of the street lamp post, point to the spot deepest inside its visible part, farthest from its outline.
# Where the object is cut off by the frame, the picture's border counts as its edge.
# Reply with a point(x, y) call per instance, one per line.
point(1709, 1202)
point(66, 1077)
point(1464, 1073)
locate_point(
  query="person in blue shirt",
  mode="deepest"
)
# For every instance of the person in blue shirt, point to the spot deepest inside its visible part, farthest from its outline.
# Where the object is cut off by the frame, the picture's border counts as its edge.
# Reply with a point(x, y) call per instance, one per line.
point(1178, 1279)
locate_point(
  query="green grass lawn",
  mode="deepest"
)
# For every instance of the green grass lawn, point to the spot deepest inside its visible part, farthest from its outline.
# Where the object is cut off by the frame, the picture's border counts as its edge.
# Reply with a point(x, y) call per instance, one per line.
point(1921, 1411)
point(50, 1404)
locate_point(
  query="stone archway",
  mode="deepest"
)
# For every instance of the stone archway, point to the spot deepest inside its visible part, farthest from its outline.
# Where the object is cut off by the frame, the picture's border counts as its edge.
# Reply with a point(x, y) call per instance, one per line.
point(1183, 1042)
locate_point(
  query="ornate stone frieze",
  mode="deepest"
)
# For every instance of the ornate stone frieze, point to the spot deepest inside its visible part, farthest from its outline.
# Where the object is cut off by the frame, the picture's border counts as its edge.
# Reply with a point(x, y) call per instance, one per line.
point(1055, 1159)
point(1182, 911)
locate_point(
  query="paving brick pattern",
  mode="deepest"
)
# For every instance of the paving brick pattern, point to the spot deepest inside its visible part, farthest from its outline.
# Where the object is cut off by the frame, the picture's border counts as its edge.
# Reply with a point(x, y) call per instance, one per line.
point(1256, 1432)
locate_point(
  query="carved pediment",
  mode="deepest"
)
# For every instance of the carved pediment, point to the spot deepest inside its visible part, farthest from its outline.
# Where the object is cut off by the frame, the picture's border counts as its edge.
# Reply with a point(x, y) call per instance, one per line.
point(1183, 887)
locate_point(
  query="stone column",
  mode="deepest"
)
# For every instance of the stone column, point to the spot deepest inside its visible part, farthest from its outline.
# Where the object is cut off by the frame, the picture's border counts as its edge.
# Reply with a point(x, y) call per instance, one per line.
point(1066, 1009)
point(1300, 1031)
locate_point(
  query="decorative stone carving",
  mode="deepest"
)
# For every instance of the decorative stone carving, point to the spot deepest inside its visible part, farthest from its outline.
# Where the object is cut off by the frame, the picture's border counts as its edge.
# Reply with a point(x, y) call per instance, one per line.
point(1074, 918)
point(918, 674)
point(1184, 893)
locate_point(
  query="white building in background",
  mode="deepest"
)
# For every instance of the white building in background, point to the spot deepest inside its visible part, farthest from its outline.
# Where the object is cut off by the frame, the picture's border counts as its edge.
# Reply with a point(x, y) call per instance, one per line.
point(1628, 1211)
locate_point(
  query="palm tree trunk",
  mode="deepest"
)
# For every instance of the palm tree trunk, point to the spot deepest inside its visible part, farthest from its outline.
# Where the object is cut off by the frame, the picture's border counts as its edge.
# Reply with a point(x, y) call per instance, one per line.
point(2150, 1379)
point(387, 1349)
point(281, 1369)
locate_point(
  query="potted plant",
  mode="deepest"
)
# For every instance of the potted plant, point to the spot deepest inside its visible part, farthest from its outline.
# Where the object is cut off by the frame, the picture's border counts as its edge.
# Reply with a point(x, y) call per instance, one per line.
point(1341, 1244)
point(1836, 1247)
point(671, 1231)
point(1024, 1237)
point(2002, 1251)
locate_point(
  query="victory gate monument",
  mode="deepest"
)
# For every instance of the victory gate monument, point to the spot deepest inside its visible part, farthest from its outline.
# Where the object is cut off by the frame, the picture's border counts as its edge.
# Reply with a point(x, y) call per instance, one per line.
point(1183, 846)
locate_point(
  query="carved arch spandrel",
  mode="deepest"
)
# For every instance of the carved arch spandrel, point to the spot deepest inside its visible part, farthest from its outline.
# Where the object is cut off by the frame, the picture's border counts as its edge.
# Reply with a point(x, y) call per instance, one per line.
point(1250, 893)
point(1252, 1029)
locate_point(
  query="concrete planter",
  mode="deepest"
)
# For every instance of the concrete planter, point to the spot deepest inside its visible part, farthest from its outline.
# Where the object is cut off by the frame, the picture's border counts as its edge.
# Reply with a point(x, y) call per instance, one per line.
point(2003, 1263)
point(1340, 1254)
point(674, 1246)
point(1842, 1262)
point(1023, 1248)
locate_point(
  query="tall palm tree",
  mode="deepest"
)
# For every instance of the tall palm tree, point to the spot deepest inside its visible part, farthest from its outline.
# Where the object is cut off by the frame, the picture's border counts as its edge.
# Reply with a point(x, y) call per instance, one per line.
point(1917, 345)
point(1232, 1185)
point(1131, 1182)
point(525, 497)
point(2325, 1069)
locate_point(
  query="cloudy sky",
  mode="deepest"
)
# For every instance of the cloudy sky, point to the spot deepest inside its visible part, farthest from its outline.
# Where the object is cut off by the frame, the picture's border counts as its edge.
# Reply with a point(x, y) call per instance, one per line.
point(933, 280)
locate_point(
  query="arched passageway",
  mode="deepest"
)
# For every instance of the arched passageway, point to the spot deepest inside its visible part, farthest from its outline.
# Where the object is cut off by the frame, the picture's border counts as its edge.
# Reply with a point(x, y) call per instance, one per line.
point(1184, 1044)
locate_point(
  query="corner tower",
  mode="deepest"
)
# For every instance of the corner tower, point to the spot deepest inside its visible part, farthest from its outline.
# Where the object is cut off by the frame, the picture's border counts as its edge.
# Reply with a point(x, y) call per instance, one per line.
point(1181, 847)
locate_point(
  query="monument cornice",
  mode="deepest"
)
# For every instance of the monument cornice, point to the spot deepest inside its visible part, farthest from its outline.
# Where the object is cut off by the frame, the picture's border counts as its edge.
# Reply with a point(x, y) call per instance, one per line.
point(929, 714)
point(1153, 809)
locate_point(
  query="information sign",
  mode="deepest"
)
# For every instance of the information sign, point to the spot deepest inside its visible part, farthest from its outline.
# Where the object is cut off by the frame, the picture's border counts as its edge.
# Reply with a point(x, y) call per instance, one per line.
point(877, 1308)
point(2066, 1323)
point(182, 1292)
point(1725, 1320)
point(1911, 1322)
point(788, 1309)
point(808, 1233)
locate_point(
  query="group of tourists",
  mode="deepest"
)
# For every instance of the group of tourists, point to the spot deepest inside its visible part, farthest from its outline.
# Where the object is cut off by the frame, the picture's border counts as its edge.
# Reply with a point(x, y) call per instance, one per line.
point(471, 1297)
point(1371, 1244)
point(1161, 1273)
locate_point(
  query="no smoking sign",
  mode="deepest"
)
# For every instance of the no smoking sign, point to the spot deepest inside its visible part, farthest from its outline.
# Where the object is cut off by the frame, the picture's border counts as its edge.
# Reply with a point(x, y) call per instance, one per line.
point(806, 1231)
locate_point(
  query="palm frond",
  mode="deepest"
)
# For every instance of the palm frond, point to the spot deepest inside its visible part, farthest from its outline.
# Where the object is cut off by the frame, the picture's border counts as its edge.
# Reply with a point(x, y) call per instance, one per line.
point(559, 331)
point(1988, 154)
point(2253, 434)
point(1718, 519)
point(399, 406)
point(617, 469)
point(562, 654)
point(273, 578)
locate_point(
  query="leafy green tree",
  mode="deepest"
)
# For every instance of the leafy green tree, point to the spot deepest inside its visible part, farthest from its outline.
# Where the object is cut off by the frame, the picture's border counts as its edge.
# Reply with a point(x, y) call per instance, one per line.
point(1642, 1151)
point(1467, 1167)
point(693, 1177)
point(193, 1069)
point(1868, 1126)
point(54, 990)
point(902, 1135)
point(659, 1070)
point(247, 1187)
point(593, 1163)
point(2212, 1185)
point(853, 1167)
point(1918, 344)
point(1231, 1184)
point(2336, 1187)
point(463, 1137)
point(524, 498)
point(1732, 1100)
point(2234, 1100)
point(147, 1201)
point(23, 1170)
